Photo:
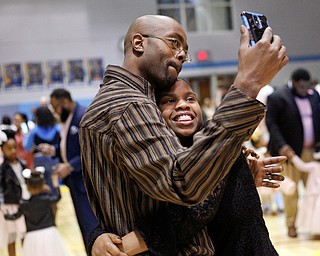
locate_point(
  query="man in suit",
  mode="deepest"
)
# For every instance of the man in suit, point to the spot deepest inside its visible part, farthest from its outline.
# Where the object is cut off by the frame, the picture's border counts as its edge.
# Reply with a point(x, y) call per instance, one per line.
point(69, 170)
point(293, 121)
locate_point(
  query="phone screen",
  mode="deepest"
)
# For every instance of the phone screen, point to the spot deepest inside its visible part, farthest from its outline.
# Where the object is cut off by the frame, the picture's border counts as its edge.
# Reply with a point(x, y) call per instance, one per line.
point(256, 23)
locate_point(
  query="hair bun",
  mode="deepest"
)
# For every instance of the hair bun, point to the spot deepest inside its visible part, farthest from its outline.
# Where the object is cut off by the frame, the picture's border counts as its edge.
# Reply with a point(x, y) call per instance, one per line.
point(26, 173)
point(3, 138)
point(40, 169)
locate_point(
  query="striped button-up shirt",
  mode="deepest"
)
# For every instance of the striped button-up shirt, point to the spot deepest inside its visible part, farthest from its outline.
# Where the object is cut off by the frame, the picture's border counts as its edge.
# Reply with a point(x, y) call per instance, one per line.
point(132, 159)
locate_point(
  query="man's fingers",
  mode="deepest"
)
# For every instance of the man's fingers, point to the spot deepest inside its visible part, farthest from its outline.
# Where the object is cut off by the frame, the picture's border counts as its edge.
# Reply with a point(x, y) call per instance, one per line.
point(104, 245)
point(267, 34)
point(245, 37)
point(115, 238)
point(112, 249)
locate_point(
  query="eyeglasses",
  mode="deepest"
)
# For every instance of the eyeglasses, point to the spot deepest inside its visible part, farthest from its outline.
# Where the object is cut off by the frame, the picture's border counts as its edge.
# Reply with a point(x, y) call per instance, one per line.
point(175, 44)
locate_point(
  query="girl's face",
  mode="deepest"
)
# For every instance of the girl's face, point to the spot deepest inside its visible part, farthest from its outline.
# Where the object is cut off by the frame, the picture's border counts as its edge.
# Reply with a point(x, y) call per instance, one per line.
point(181, 110)
point(17, 120)
point(9, 150)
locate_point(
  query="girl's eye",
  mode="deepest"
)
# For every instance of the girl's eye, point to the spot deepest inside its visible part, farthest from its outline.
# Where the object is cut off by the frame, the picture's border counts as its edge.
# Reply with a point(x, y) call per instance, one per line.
point(170, 100)
point(167, 100)
point(190, 99)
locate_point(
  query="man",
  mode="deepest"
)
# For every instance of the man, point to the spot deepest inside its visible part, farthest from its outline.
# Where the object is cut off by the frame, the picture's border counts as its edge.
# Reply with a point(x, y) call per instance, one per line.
point(293, 121)
point(131, 160)
point(69, 170)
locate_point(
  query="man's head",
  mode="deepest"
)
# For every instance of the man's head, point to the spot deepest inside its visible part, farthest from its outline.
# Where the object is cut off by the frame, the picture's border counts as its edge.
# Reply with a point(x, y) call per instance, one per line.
point(61, 102)
point(155, 47)
point(180, 109)
point(301, 82)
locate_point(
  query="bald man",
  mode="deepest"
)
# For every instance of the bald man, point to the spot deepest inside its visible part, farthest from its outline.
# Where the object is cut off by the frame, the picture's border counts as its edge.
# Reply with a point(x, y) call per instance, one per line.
point(132, 160)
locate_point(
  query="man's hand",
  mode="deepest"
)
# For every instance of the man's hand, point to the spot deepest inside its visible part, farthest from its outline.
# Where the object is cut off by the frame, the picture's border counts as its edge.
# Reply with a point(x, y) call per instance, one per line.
point(63, 170)
point(258, 65)
point(266, 171)
point(107, 245)
point(46, 149)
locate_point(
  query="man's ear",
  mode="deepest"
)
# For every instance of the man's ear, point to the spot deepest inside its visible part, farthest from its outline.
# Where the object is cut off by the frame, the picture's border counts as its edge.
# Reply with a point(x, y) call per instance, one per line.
point(137, 43)
point(65, 103)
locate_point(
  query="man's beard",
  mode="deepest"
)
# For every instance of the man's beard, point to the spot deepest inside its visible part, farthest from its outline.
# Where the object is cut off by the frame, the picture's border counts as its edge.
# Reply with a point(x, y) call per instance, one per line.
point(64, 115)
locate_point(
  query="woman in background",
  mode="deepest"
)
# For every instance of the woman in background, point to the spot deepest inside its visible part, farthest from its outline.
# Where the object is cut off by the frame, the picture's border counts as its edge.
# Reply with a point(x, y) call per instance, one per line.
point(45, 131)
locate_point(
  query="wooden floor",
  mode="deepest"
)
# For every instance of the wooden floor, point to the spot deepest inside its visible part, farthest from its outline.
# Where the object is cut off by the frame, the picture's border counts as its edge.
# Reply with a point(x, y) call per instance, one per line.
point(303, 245)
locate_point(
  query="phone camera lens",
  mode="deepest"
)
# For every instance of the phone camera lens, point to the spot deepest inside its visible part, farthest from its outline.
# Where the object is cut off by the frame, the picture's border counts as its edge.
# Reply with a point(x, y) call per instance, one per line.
point(257, 22)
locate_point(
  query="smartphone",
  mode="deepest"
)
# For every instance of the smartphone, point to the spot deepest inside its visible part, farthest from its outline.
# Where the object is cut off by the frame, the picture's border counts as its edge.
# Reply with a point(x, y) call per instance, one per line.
point(256, 23)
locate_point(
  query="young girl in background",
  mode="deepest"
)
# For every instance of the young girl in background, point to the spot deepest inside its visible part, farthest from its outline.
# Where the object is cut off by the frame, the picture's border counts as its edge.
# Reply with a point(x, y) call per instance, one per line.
point(42, 237)
point(12, 189)
point(308, 220)
point(23, 128)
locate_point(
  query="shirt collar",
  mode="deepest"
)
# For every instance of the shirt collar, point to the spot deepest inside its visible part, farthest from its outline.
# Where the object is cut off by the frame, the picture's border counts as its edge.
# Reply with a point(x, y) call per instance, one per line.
point(132, 80)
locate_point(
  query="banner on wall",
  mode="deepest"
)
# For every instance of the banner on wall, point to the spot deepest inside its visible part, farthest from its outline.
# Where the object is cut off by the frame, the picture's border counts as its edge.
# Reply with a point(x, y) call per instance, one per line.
point(34, 74)
point(55, 72)
point(95, 69)
point(52, 73)
point(12, 76)
point(75, 71)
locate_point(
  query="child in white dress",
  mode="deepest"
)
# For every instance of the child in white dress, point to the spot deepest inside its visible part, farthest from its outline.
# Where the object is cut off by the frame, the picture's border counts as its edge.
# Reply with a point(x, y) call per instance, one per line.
point(12, 189)
point(42, 237)
point(308, 219)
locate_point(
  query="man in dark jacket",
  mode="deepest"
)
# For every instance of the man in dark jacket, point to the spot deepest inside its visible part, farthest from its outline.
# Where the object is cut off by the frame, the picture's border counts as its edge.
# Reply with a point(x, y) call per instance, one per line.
point(69, 170)
point(293, 120)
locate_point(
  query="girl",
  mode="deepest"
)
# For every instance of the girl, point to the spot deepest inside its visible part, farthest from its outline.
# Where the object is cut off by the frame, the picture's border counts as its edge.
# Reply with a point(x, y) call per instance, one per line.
point(308, 212)
point(42, 237)
point(232, 213)
point(12, 189)
point(19, 119)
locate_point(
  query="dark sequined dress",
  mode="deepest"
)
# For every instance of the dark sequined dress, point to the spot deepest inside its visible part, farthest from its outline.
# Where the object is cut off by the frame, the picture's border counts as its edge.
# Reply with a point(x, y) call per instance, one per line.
point(232, 214)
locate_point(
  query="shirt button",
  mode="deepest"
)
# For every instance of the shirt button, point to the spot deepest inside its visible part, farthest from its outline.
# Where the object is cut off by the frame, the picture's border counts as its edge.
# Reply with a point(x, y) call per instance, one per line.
point(250, 131)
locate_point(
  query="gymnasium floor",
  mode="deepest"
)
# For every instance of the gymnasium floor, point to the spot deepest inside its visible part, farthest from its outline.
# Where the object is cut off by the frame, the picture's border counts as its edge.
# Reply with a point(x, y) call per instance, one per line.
point(303, 245)
point(285, 246)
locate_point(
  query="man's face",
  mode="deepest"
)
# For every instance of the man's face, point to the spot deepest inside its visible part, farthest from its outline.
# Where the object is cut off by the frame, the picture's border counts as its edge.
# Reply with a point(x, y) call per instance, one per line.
point(162, 59)
point(301, 87)
point(60, 107)
point(181, 110)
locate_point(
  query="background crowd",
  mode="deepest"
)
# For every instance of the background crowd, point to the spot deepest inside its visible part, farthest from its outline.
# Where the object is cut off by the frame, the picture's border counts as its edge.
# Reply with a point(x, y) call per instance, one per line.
point(51, 140)
point(47, 124)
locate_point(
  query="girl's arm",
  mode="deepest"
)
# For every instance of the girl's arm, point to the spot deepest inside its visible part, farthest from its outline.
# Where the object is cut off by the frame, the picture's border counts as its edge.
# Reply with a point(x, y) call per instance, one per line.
point(304, 166)
point(14, 216)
